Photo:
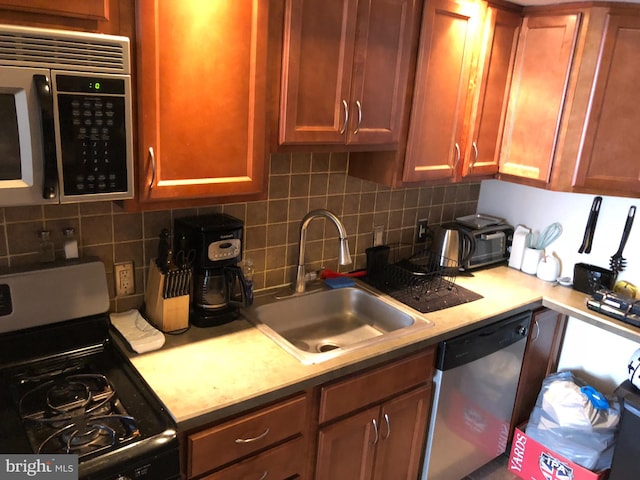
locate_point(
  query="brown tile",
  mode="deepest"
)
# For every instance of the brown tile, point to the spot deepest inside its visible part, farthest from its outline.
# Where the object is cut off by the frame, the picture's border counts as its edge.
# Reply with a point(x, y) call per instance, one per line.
point(95, 208)
point(450, 192)
point(425, 197)
point(210, 209)
point(127, 226)
point(320, 162)
point(24, 260)
point(317, 202)
point(275, 277)
point(411, 198)
point(23, 237)
point(280, 163)
point(256, 213)
point(369, 186)
point(124, 304)
point(276, 234)
point(154, 222)
point(61, 211)
point(353, 185)
point(3, 242)
point(351, 204)
point(23, 214)
point(57, 227)
point(300, 185)
point(255, 237)
point(365, 223)
point(96, 230)
point(300, 163)
point(409, 217)
point(367, 202)
point(337, 184)
point(103, 252)
point(383, 200)
point(335, 204)
point(339, 162)
point(438, 195)
point(126, 251)
point(276, 257)
point(279, 186)
point(238, 210)
point(319, 184)
point(184, 212)
point(298, 208)
point(277, 211)
point(382, 218)
point(397, 200)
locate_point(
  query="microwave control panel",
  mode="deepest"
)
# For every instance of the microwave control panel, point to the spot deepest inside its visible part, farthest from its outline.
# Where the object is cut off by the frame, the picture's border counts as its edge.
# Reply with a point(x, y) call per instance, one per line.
point(92, 133)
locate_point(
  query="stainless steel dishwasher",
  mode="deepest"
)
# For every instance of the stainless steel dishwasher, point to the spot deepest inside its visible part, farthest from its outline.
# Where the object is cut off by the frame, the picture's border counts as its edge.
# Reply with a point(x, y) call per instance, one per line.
point(475, 386)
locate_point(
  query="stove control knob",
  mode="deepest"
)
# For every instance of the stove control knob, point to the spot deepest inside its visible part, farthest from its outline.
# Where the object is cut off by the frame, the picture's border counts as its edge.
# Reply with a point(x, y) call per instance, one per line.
point(522, 331)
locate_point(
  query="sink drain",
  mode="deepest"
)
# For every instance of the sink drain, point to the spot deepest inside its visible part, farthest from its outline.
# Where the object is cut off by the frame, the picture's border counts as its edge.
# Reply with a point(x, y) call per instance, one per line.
point(327, 347)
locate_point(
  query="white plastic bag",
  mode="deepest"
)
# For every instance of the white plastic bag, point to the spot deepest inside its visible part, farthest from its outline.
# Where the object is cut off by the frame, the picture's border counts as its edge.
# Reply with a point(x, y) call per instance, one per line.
point(574, 420)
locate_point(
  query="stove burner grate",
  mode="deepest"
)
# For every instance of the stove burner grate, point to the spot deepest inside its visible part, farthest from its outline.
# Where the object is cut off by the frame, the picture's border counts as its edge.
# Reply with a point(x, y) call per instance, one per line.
point(77, 414)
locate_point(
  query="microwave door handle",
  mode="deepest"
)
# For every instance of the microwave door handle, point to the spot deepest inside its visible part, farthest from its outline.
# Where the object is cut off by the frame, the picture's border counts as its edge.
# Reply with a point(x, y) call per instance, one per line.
point(45, 96)
point(492, 236)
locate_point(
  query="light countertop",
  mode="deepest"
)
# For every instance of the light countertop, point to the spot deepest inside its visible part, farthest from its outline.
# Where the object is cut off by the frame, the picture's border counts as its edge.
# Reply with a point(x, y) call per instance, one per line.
point(207, 374)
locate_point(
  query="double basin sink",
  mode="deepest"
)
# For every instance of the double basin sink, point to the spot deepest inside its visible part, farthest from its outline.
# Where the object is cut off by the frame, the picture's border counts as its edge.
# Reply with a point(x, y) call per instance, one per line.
point(324, 324)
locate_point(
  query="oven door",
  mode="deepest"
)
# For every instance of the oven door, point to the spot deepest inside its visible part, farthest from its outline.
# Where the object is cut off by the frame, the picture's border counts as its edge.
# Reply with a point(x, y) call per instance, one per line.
point(27, 139)
point(491, 247)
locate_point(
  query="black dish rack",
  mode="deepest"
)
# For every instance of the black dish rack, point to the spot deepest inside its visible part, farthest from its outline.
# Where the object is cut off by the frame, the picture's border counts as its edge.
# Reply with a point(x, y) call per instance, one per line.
point(424, 282)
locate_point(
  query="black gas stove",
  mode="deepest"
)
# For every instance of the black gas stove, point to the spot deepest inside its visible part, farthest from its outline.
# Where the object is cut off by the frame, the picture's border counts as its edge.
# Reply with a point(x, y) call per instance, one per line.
point(66, 389)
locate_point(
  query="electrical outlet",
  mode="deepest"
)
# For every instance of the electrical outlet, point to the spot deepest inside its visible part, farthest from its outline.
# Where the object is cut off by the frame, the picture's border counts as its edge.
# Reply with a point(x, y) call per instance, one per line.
point(124, 278)
point(378, 235)
point(421, 230)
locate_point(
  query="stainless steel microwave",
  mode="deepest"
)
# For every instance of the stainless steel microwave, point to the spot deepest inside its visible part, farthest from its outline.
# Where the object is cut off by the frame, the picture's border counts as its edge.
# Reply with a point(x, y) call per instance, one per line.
point(65, 117)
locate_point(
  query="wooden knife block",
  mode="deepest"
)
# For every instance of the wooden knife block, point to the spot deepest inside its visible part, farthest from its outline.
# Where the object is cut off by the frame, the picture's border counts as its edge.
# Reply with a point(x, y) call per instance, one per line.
point(168, 314)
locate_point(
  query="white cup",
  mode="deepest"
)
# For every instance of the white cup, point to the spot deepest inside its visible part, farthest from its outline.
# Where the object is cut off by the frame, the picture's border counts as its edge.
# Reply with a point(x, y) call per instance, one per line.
point(530, 260)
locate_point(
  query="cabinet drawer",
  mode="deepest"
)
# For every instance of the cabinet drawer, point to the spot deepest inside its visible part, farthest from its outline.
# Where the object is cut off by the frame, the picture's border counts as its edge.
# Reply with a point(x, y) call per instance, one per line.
point(221, 444)
point(363, 389)
point(278, 463)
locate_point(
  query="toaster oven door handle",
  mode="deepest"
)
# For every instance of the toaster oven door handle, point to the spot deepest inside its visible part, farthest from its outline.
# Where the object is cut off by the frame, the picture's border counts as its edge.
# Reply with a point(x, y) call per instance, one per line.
point(492, 236)
point(45, 97)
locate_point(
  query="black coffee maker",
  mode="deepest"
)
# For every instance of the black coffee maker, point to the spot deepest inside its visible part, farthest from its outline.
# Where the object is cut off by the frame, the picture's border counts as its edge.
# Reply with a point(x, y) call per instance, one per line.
point(214, 243)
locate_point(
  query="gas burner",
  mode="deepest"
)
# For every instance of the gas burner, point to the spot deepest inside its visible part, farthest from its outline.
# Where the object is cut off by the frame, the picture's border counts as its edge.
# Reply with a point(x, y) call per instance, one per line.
point(78, 414)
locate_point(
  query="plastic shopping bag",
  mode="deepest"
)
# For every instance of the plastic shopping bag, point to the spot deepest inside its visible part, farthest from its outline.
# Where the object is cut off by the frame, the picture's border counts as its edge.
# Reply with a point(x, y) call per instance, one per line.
point(574, 420)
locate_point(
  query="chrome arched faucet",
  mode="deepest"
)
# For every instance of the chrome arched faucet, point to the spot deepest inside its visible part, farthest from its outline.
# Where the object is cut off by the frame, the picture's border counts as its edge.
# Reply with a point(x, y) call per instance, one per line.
point(344, 255)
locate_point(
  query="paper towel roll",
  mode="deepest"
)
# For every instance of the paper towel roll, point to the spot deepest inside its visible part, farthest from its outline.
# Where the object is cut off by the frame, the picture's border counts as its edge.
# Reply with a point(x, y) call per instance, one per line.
point(518, 246)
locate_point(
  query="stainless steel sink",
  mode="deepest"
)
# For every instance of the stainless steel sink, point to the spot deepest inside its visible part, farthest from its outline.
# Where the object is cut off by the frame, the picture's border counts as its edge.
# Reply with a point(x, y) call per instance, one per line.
point(320, 325)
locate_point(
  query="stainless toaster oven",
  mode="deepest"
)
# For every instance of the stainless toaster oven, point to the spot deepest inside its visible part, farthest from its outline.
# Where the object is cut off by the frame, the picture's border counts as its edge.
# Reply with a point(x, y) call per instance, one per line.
point(492, 246)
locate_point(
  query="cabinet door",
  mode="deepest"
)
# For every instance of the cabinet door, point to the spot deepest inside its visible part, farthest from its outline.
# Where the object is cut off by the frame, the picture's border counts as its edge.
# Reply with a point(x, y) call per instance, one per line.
point(609, 158)
point(542, 67)
point(346, 448)
point(403, 426)
point(318, 40)
point(540, 359)
point(434, 146)
point(88, 9)
point(202, 98)
point(496, 60)
point(381, 70)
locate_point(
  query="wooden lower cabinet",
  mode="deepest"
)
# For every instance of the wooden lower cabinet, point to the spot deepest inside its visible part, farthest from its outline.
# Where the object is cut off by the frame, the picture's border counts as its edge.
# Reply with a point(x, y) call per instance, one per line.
point(540, 359)
point(257, 441)
point(382, 443)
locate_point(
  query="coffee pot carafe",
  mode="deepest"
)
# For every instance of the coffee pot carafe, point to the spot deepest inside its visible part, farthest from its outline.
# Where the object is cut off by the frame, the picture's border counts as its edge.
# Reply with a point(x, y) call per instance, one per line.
point(219, 285)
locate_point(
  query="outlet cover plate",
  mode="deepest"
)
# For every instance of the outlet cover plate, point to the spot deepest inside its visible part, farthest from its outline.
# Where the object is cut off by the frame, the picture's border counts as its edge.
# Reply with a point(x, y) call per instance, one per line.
point(124, 278)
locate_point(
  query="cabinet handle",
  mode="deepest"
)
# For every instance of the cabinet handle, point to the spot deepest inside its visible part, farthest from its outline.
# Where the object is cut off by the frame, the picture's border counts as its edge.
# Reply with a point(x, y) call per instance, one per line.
point(254, 439)
point(375, 429)
point(536, 325)
point(457, 156)
point(152, 157)
point(359, 105)
point(474, 145)
point(388, 432)
point(264, 475)
point(346, 117)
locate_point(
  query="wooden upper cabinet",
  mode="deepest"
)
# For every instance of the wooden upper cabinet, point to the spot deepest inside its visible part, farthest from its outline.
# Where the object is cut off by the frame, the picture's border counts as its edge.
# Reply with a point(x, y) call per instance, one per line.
point(202, 95)
point(610, 158)
point(87, 9)
point(541, 75)
point(482, 146)
point(447, 49)
point(345, 71)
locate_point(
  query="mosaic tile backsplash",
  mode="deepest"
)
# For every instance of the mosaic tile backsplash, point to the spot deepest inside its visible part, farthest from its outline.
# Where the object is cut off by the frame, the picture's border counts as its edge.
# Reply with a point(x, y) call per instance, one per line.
point(298, 183)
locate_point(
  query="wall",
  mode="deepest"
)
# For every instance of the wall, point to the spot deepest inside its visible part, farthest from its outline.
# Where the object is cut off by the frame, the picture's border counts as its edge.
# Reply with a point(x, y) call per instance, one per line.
point(297, 183)
point(597, 356)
